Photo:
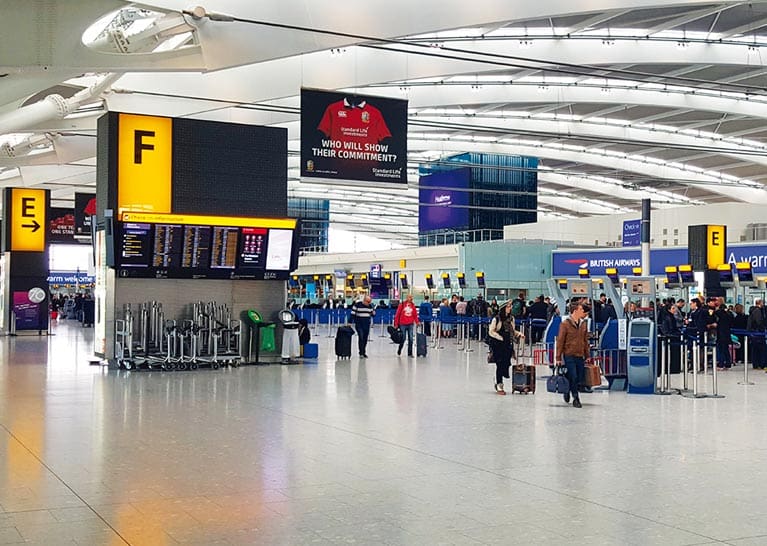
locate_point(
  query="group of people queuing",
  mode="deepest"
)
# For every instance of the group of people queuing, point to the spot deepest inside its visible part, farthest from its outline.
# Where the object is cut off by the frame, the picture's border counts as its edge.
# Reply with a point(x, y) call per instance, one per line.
point(58, 304)
point(712, 321)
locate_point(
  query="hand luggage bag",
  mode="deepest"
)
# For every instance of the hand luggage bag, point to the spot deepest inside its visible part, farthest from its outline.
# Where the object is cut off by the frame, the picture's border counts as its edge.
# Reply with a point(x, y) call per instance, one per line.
point(344, 341)
point(396, 335)
point(592, 377)
point(421, 343)
point(557, 382)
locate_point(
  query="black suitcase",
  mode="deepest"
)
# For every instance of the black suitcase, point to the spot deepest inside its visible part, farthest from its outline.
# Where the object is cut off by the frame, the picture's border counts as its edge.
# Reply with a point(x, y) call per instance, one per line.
point(344, 341)
point(421, 343)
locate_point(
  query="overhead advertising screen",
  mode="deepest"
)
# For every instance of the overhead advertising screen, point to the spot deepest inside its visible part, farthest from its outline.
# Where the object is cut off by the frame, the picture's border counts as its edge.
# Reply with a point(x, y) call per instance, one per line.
point(189, 248)
point(345, 136)
point(85, 207)
point(278, 256)
point(443, 200)
point(61, 225)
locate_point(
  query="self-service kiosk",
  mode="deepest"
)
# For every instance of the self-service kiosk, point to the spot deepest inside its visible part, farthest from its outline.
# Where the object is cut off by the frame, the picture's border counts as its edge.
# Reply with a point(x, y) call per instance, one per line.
point(642, 337)
point(641, 356)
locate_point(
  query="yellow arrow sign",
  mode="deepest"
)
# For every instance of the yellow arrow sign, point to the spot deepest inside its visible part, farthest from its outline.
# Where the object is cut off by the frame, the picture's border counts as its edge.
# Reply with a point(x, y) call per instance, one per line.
point(28, 222)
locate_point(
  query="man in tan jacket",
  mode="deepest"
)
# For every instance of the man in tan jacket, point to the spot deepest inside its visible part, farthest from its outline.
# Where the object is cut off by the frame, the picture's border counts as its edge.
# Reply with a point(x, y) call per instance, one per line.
point(573, 348)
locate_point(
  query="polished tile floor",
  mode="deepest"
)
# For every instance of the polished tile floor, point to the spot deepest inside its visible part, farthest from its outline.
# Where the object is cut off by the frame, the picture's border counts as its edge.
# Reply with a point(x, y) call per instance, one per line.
point(381, 451)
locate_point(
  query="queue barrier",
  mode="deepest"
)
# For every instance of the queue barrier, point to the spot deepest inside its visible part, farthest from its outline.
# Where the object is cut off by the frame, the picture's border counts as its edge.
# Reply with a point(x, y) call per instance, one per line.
point(749, 337)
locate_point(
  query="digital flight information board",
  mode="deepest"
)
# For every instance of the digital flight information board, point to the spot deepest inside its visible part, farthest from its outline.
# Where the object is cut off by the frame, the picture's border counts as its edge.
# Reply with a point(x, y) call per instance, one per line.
point(173, 246)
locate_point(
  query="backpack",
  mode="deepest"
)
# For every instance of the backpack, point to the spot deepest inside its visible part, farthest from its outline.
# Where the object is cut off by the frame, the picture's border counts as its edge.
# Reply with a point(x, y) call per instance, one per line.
point(304, 335)
point(516, 307)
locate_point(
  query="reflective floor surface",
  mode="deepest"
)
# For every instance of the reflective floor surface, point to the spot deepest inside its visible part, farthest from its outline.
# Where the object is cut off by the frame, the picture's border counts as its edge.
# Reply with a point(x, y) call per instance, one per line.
point(388, 450)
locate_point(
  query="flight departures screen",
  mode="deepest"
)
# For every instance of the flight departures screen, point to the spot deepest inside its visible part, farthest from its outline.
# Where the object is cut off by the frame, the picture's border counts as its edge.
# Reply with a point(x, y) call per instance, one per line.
point(177, 250)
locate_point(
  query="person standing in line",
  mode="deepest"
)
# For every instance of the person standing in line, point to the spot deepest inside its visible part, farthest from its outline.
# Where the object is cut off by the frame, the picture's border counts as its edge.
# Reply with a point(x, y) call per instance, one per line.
point(519, 307)
point(573, 348)
point(739, 322)
point(362, 315)
point(724, 321)
point(460, 311)
point(538, 312)
point(756, 323)
point(444, 316)
point(406, 318)
point(425, 314)
point(502, 334)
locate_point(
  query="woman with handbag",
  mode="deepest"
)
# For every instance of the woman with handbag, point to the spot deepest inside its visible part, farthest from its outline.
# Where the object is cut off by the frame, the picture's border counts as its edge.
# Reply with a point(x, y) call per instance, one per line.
point(502, 334)
point(573, 348)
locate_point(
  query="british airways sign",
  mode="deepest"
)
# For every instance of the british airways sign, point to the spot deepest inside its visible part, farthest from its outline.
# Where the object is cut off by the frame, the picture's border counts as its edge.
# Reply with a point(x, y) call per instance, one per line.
point(566, 263)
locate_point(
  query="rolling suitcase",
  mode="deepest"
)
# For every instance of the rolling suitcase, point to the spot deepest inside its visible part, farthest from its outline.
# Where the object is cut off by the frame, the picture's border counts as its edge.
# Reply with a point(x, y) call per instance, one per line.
point(344, 341)
point(523, 378)
point(421, 343)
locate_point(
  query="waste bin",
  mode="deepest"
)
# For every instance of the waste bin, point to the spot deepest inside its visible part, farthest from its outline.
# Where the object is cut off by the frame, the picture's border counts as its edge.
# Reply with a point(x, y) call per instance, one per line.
point(264, 335)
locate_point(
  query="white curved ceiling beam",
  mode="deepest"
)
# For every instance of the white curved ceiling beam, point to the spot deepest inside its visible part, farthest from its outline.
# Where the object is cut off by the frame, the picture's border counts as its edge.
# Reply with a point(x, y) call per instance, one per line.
point(613, 189)
point(532, 92)
point(225, 44)
point(362, 66)
point(577, 204)
point(605, 132)
point(619, 162)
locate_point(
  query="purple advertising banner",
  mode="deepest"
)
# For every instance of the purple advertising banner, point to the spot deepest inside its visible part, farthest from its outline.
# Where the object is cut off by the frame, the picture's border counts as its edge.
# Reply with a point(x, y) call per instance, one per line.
point(443, 200)
point(346, 136)
point(27, 313)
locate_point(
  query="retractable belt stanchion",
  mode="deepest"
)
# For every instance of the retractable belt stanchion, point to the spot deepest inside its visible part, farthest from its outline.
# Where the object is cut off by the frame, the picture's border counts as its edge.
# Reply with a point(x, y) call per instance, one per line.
point(695, 364)
point(745, 363)
point(701, 350)
point(665, 376)
point(685, 363)
point(467, 346)
point(714, 377)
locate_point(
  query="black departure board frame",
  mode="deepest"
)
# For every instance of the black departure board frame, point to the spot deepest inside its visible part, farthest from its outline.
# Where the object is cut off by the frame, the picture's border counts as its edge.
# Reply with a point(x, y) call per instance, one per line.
point(199, 251)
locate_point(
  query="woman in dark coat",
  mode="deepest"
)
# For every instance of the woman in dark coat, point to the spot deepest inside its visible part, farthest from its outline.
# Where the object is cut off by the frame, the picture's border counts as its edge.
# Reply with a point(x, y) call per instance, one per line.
point(723, 325)
point(502, 334)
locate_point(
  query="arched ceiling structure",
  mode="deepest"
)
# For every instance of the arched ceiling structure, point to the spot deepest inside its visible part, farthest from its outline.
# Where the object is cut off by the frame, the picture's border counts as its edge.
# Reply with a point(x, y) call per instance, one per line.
point(619, 99)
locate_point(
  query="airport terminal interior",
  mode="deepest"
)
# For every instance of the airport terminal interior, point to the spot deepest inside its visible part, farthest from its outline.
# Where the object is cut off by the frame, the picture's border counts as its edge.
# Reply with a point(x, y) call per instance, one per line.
point(197, 200)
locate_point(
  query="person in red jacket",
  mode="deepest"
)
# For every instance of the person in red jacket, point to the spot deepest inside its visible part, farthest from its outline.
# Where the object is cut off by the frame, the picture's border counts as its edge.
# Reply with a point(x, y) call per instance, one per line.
point(406, 318)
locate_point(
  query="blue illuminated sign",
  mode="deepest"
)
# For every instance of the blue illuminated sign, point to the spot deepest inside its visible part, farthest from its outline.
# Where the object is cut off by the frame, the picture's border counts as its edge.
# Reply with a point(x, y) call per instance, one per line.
point(632, 232)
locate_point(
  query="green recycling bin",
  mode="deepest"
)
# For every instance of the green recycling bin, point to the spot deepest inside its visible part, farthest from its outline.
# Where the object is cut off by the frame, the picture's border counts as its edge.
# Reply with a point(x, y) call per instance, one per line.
point(264, 333)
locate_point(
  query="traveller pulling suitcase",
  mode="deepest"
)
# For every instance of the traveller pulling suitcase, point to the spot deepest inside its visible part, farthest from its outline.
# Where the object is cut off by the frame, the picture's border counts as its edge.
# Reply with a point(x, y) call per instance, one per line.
point(344, 341)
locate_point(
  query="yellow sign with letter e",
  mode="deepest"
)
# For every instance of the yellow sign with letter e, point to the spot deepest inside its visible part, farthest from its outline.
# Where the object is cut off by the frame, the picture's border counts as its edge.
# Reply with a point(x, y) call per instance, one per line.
point(28, 222)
